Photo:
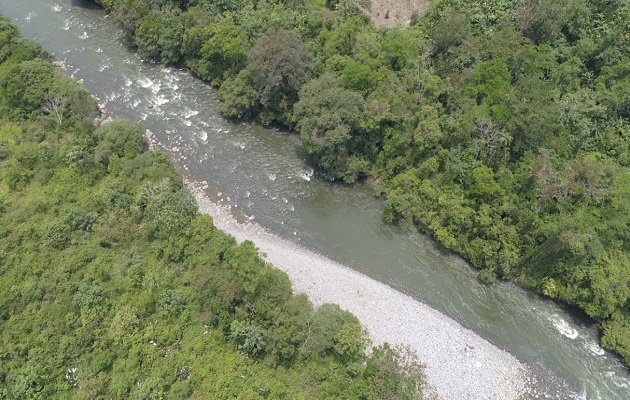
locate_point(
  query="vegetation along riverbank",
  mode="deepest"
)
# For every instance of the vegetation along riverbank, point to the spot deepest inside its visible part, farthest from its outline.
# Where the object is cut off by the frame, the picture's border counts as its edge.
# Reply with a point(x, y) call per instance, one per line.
point(114, 286)
point(501, 128)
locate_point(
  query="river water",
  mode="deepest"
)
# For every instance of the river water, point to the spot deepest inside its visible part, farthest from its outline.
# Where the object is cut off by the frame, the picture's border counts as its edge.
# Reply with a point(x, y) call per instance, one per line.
point(265, 179)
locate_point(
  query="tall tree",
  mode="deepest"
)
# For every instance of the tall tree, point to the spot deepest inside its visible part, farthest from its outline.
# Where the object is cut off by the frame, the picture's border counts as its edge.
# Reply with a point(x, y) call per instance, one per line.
point(329, 116)
point(280, 64)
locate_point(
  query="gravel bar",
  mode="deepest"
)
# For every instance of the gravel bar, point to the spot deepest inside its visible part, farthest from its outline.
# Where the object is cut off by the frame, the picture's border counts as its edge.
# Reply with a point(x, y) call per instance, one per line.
point(459, 363)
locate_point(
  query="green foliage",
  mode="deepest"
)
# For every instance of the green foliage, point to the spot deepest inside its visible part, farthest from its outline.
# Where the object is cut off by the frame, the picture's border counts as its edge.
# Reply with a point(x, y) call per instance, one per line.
point(69, 105)
point(399, 48)
point(224, 53)
point(239, 99)
point(616, 335)
point(88, 297)
point(147, 36)
point(79, 218)
point(490, 81)
point(450, 31)
point(329, 116)
point(113, 286)
point(171, 37)
point(390, 370)
point(548, 22)
point(248, 337)
point(333, 331)
point(279, 63)
point(357, 76)
point(28, 382)
point(170, 212)
point(22, 49)
point(501, 127)
point(290, 329)
point(119, 139)
point(26, 85)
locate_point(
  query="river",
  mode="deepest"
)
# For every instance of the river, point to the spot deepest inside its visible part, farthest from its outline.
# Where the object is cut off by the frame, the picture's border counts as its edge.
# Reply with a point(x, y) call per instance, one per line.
point(262, 175)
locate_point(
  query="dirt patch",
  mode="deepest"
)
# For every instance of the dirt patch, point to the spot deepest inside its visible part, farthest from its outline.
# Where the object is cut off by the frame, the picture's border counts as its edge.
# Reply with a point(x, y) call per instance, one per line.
point(388, 12)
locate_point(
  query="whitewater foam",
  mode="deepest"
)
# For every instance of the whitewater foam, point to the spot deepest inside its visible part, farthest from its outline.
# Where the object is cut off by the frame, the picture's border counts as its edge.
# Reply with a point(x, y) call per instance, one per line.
point(160, 100)
point(595, 348)
point(307, 175)
point(563, 327)
point(190, 113)
point(145, 82)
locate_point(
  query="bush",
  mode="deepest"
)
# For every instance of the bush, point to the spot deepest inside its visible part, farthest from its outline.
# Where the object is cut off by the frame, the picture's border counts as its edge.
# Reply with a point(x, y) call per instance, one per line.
point(248, 337)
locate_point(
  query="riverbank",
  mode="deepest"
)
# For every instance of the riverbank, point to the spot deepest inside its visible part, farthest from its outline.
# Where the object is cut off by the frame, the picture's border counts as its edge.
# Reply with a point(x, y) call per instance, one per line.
point(248, 157)
point(459, 363)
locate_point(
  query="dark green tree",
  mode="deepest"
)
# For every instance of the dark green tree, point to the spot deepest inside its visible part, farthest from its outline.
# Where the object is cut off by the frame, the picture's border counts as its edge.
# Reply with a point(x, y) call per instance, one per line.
point(329, 118)
point(280, 64)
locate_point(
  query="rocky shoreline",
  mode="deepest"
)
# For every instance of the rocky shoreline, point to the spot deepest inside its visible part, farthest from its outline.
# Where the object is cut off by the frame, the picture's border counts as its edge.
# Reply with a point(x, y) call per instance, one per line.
point(459, 363)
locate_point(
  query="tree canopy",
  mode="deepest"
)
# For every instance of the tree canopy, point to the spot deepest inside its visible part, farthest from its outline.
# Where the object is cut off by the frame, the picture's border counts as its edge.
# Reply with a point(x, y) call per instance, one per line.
point(114, 286)
point(500, 128)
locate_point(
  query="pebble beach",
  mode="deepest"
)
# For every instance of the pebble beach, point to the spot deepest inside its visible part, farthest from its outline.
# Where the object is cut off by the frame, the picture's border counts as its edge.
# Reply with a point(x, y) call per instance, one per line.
point(459, 363)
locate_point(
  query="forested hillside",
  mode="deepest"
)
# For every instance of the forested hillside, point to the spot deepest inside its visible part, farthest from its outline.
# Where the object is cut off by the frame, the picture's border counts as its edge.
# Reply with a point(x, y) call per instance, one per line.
point(502, 128)
point(113, 286)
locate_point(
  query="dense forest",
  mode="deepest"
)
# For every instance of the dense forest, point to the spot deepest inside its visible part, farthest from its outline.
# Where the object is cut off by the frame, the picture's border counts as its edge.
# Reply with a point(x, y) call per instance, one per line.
point(114, 286)
point(502, 128)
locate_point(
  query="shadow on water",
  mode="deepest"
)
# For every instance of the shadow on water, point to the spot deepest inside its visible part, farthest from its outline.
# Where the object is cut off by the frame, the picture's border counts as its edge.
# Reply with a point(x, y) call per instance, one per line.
point(88, 4)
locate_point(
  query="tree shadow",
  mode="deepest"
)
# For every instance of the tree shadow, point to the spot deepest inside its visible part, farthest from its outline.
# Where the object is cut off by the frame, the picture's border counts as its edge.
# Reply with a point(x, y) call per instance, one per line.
point(90, 4)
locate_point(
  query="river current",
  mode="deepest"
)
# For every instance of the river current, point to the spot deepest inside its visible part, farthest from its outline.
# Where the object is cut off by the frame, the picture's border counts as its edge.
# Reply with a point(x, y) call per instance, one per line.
point(264, 178)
